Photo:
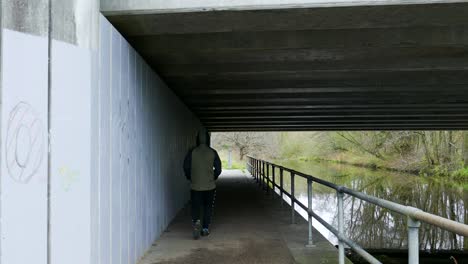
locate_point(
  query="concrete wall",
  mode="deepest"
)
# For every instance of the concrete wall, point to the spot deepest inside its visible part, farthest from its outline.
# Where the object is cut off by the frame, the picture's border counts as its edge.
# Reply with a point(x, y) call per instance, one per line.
point(144, 134)
point(45, 180)
point(23, 144)
point(89, 163)
point(152, 6)
point(73, 80)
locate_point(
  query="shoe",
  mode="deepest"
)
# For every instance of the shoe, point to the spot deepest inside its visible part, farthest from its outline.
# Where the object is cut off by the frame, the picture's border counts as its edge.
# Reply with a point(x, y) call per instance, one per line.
point(205, 232)
point(196, 229)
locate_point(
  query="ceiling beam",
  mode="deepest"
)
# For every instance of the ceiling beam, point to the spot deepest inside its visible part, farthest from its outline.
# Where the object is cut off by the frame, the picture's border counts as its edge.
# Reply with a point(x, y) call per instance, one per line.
point(424, 36)
point(358, 17)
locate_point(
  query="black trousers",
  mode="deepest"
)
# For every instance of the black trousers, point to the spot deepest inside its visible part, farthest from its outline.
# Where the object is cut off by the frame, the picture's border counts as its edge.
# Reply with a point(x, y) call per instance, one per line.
point(203, 201)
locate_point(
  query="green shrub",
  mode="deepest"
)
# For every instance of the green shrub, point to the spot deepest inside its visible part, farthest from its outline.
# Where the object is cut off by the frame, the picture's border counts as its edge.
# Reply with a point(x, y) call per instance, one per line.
point(461, 174)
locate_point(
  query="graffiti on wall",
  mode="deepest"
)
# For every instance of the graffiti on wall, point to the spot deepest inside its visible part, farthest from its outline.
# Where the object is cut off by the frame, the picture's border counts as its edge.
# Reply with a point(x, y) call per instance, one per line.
point(25, 144)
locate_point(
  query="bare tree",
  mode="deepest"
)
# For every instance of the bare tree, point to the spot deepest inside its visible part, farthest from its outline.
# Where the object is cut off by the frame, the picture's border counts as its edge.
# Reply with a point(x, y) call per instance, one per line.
point(244, 142)
point(366, 143)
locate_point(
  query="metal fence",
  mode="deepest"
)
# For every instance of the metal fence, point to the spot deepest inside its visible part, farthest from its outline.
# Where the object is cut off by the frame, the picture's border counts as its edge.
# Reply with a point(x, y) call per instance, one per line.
point(260, 171)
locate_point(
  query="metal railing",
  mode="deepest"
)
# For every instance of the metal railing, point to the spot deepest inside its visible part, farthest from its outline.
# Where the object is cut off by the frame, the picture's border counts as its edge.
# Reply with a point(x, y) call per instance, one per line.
point(414, 215)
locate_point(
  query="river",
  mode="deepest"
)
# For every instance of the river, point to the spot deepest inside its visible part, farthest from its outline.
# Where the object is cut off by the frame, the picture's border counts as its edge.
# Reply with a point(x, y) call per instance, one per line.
point(374, 227)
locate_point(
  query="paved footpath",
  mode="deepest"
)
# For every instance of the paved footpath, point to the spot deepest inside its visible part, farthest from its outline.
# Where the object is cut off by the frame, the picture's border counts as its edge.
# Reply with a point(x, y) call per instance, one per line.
point(248, 227)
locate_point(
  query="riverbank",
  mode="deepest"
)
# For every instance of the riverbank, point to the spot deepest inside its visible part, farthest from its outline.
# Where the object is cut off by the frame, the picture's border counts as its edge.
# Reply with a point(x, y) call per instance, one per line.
point(362, 162)
point(458, 177)
point(371, 165)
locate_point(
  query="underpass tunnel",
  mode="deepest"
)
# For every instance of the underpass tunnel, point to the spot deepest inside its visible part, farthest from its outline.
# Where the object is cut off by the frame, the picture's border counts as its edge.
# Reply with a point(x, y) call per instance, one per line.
point(100, 103)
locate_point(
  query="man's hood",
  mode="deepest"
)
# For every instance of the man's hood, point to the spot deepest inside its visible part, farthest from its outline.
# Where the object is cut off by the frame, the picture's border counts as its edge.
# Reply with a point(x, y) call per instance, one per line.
point(203, 137)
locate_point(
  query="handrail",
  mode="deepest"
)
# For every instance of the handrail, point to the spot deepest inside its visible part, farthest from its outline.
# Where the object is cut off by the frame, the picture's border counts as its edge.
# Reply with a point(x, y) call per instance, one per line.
point(257, 169)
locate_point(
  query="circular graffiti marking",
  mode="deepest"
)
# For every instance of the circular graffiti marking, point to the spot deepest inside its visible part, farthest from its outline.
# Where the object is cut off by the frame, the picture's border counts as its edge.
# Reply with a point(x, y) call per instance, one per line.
point(24, 143)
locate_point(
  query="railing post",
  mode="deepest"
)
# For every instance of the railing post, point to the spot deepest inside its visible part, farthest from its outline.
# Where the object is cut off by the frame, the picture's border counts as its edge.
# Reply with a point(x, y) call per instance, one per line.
point(274, 182)
point(258, 173)
point(309, 212)
point(341, 253)
point(293, 211)
point(263, 175)
point(255, 170)
point(268, 178)
point(281, 186)
point(413, 240)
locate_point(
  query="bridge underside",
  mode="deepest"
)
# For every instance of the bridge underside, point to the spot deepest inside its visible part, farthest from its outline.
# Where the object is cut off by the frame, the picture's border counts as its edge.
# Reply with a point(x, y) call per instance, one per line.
point(318, 68)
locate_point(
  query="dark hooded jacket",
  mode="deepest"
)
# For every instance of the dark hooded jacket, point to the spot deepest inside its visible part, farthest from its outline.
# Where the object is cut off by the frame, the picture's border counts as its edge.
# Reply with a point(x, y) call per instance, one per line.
point(202, 165)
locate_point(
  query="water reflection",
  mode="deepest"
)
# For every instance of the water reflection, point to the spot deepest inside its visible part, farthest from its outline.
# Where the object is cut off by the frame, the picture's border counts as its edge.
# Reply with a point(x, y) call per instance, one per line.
point(372, 226)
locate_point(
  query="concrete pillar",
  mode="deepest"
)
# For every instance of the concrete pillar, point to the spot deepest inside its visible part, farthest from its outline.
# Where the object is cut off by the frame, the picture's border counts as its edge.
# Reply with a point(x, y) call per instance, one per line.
point(23, 143)
point(73, 49)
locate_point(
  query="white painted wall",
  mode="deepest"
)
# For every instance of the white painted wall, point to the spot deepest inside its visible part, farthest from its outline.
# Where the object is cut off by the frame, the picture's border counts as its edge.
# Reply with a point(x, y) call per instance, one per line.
point(70, 142)
point(40, 224)
point(118, 137)
point(23, 174)
point(144, 133)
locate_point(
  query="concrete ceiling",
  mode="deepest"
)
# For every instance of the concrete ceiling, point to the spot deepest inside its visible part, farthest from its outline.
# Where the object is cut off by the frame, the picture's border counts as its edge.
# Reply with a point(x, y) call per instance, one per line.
point(328, 68)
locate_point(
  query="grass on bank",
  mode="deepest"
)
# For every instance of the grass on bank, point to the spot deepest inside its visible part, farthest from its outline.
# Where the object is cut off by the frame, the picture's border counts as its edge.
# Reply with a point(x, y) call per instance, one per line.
point(458, 176)
point(236, 165)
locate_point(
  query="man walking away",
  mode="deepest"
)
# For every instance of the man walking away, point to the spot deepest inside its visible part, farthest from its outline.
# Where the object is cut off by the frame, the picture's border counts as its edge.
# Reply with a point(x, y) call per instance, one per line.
point(202, 167)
